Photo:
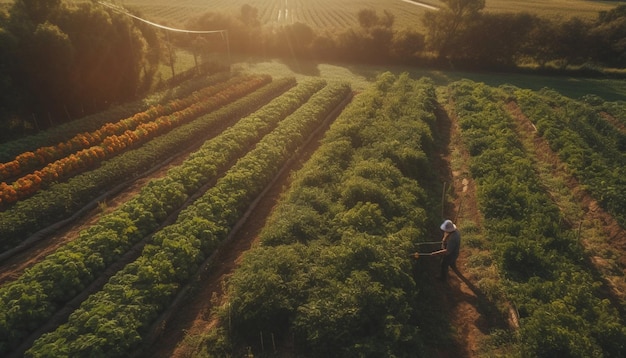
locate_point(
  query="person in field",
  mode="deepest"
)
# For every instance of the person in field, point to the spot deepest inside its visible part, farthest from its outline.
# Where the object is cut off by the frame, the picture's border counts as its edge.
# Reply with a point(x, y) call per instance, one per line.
point(450, 247)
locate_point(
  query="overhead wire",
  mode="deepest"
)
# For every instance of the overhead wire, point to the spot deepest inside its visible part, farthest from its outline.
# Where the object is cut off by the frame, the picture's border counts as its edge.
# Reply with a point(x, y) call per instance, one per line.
point(121, 10)
point(125, 12)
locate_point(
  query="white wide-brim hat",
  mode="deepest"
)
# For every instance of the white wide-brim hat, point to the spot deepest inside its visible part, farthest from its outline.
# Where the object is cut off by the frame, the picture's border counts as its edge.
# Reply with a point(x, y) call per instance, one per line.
point(448, 226)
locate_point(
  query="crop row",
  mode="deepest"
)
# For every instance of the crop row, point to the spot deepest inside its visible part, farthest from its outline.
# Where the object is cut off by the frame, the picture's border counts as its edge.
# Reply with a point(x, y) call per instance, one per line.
point(65, 273)
point(343, 230)
point(112, 321)
point(113, 145)
point(31, 160)
point(594, 150)
point(61, 200)
point(64, 132)
point(615, 109)
point(562, 309)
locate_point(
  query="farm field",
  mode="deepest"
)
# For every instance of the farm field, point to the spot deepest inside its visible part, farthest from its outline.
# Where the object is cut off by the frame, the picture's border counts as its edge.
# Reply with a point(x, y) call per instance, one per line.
point(323, 14)
point(290, 173)
point(329, 14)
point(290, 209)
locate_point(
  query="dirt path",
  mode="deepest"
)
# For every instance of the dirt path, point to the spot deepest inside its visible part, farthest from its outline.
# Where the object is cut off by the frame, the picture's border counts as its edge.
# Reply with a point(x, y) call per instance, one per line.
point(471, 314)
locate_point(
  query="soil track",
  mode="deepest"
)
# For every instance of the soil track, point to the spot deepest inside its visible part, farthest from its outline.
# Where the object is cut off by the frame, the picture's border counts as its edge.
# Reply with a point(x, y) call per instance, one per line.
point(470, 313)
point(13, 267)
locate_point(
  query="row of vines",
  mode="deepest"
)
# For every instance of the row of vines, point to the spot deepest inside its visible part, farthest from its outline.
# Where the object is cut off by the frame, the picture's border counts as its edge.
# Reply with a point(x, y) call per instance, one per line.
point(112, 322)
point(331, 273)
point(563, 310)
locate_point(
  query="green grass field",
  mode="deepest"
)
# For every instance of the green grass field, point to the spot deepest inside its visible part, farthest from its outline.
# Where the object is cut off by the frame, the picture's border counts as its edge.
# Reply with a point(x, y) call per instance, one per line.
point(361, 76)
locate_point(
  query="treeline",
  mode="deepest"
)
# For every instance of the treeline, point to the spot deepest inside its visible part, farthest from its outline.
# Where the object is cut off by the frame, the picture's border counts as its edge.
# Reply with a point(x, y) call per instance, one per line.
point(460, 35)
point(62, 60)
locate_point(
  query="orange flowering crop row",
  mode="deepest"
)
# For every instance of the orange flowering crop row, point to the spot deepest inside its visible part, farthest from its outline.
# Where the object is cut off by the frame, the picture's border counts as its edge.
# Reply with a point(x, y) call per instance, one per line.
point(40, 157)
point(112, 145)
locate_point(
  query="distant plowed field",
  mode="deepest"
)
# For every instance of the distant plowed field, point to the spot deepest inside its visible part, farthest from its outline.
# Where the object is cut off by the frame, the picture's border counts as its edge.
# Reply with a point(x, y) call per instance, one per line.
point(320, 14)
point(331, 14)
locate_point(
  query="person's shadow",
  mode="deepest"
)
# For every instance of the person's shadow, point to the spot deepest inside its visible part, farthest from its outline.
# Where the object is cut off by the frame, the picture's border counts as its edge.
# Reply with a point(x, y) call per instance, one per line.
point(485, 307)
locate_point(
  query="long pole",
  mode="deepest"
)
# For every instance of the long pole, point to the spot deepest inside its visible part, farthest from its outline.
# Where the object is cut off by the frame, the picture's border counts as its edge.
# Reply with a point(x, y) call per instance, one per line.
point(443, 198)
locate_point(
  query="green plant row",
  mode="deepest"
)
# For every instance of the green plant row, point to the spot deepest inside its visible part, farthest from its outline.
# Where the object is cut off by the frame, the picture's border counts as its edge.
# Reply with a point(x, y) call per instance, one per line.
point(66, 131)
point(112, 321)
point(63, 199)
point(562, 310)
point(616, 109)
point(331, 273)
point(594, 150)
point(62, 275)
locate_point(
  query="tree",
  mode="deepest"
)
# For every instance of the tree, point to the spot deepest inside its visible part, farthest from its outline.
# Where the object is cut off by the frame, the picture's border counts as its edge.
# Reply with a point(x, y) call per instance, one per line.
point(250, 16)
point(573, 41)
point(445, 25)
point(369, 19)
point(64, 59)
point(35, 11)
point(540, 42)
point(407, 44)
point(47, 61)
point(8, 86)
point(493, 40)
point(608, 37)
